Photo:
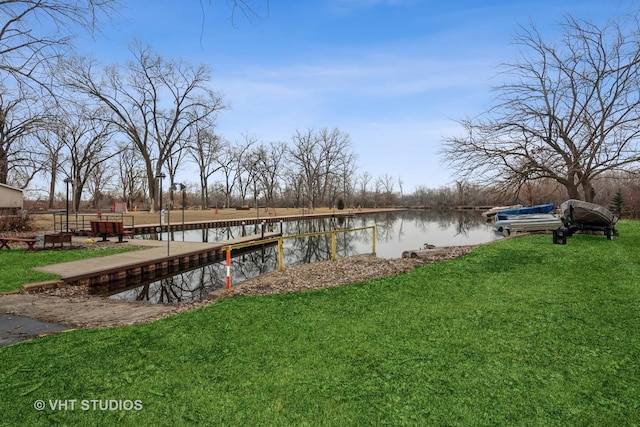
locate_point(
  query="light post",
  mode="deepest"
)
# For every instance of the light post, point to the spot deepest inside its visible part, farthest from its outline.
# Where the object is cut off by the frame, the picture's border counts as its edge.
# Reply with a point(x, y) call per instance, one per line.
point(178, 186)
point(68, 181)
point(255, 229)
point(160, 176)
point(184, 199)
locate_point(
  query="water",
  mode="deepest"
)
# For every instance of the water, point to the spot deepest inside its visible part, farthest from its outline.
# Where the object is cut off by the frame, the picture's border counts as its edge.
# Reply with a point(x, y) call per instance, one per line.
point(395, 232)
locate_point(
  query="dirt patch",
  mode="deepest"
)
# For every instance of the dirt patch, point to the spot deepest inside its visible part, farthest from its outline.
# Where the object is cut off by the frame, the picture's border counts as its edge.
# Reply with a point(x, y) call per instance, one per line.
point(73, 306)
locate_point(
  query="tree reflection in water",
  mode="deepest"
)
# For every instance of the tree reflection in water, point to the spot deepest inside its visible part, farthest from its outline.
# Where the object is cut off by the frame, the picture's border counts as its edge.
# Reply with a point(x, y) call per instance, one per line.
point(395, 233)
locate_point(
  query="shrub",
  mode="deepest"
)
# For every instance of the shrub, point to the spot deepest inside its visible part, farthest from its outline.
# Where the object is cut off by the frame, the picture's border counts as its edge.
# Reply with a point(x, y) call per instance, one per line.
point(16, 223)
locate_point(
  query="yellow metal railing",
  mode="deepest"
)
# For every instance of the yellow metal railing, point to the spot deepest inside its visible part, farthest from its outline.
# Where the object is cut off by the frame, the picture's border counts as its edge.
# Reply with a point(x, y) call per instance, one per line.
point(281, 239)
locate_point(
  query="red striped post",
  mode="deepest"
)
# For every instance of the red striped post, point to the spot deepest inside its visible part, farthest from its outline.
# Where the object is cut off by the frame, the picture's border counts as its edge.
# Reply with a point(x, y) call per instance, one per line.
point(228, 268)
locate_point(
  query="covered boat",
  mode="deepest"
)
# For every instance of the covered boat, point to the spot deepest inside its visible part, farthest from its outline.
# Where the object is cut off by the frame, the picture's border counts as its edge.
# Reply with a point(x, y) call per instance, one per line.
point(525, 210)
point(580, 215)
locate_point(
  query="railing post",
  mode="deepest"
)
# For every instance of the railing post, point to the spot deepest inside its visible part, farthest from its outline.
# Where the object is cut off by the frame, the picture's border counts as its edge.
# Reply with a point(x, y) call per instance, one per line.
point(228, 268)
point(280, 255)
point(373, 241)
point(333, 245)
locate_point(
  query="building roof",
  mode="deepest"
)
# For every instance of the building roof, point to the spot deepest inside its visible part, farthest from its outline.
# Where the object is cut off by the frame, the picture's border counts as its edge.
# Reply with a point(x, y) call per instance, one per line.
point(11, 188)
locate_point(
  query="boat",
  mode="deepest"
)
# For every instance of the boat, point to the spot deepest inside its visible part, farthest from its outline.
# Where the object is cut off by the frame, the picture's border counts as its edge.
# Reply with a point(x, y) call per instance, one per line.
point(525, 210)
point(526, 223)
point(491, 213)
point(526, 216)
point(579, 215)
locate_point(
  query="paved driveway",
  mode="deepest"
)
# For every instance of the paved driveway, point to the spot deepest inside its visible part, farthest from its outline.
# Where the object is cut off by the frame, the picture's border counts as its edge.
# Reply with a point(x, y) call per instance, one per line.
point(14, 328)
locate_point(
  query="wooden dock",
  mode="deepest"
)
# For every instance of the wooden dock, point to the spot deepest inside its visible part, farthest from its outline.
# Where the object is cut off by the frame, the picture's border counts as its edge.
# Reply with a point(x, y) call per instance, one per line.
point(160, 259)
point(83, 228)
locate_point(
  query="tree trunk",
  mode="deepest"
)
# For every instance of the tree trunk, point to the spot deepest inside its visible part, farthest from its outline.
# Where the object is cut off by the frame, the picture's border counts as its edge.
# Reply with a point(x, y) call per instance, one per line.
point(572, 191)
point(589, 191)
point(52, 188)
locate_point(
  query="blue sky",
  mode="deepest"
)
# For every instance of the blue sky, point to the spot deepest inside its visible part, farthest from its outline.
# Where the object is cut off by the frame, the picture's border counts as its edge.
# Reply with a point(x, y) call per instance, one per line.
point(393, 74)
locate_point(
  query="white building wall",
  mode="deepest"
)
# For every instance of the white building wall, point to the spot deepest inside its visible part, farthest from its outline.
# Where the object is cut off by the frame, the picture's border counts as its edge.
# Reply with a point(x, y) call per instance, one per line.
point(10, 197)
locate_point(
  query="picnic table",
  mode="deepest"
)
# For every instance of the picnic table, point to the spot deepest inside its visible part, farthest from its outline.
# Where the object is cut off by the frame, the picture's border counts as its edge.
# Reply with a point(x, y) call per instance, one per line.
point(29, 241)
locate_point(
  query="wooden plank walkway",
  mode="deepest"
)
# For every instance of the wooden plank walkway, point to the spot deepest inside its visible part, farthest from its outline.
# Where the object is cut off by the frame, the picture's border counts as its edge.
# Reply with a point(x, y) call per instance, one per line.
point(82, 228)
point(145, 263)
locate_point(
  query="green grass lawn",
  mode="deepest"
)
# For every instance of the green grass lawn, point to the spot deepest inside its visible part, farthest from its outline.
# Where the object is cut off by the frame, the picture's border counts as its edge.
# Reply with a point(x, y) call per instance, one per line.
point(518, 332)
point(16, 265)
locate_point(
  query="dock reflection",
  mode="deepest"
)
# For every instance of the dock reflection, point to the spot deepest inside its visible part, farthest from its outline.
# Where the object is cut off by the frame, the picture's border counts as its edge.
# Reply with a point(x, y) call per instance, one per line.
point(396, 232)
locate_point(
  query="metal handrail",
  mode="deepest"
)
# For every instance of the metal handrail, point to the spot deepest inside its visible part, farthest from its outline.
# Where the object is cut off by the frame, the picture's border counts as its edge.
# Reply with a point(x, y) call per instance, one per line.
point(78, 221)
point(279, 240)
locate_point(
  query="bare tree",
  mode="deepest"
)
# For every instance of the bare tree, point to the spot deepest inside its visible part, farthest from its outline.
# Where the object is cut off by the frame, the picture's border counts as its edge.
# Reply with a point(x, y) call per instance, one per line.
point(51, 156)
point(384, 188)
point(154, 103)
point(130, 174)
point(319, 156)
point(86, 138)
point(294, 187)
point(346, 176)
point(205, 148)
point(244, 164)
point(21, 115)
point(173, 163)
point(229, 171)
point(253, 163)
point(463, 191)
point(420, 195)
point(570, 113)
point(33, 33)
point(364, 180)
point(270, 160)
point(97, 182)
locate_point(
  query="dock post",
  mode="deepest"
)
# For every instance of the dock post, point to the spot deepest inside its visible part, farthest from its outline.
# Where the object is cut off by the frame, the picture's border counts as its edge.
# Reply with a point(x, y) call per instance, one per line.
point(333, 246)
point(373, 241)
point(228, 268)
point(280, 255)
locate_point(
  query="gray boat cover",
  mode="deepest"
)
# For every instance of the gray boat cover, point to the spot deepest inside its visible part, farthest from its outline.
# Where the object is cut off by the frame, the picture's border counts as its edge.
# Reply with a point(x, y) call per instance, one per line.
point(582, 212)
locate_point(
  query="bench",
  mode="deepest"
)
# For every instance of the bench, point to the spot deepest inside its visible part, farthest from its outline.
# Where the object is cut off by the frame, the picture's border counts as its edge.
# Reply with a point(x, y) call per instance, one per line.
point(109, 228)
point(57, 238)
point(4, 242)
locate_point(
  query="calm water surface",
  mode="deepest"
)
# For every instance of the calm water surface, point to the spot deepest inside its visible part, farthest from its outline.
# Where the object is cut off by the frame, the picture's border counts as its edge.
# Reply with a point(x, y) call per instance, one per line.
point(395, 232)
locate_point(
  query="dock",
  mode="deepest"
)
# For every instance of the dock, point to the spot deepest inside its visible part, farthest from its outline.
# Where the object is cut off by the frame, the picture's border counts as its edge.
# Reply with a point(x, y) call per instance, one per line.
point(80, 224)
point(156, 261)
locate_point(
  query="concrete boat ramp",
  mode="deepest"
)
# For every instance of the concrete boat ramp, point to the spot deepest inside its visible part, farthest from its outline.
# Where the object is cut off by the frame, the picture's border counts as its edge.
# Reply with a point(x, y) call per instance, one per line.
point(158, 259)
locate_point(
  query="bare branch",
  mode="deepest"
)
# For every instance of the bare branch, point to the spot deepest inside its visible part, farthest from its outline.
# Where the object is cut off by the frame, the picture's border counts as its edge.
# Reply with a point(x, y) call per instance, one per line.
point(568, 111)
